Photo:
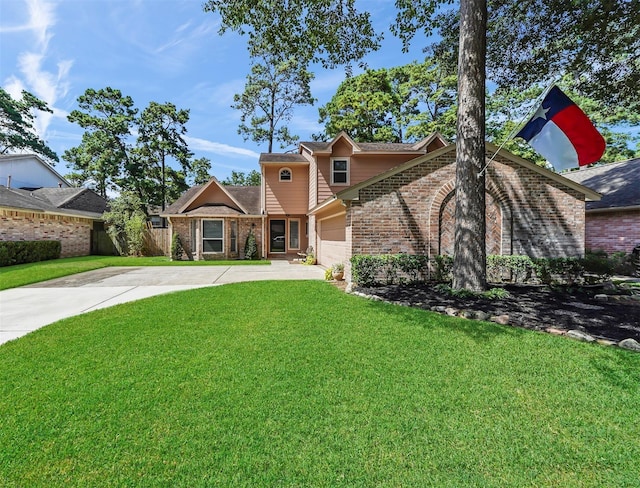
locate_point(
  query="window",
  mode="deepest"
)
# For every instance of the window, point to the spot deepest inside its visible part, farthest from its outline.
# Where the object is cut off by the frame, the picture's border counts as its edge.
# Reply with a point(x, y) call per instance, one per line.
point(212, 236)
point(234, 236)
point(339, 171)
point(285, 174)
point(294, 234)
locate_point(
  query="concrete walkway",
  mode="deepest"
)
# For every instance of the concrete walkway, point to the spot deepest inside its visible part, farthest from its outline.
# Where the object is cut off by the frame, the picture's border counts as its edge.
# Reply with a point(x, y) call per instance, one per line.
point(28, 308)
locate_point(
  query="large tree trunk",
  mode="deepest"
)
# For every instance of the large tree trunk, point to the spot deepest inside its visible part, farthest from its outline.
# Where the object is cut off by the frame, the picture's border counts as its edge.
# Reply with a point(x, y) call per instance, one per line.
point(469, 265)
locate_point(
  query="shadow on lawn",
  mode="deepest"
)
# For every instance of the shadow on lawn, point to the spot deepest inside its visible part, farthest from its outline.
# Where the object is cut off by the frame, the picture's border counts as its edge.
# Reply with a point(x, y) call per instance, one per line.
point(480, 332)
point(618, 368)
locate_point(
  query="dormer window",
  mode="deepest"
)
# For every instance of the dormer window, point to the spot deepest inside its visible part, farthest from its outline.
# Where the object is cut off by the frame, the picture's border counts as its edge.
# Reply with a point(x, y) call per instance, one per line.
point(340, 171)
point(285, 174)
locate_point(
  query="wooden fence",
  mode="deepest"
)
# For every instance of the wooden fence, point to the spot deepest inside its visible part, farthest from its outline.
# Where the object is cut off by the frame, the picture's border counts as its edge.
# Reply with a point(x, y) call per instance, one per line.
point(157, 241)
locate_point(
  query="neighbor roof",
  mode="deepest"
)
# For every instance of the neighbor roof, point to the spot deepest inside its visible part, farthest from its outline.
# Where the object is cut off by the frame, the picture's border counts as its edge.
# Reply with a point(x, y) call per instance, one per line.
point(619, 183)
point(53, 200)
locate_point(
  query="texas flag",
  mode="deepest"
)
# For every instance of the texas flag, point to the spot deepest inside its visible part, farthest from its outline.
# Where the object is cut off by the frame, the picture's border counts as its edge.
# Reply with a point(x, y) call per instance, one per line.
point(562, 133)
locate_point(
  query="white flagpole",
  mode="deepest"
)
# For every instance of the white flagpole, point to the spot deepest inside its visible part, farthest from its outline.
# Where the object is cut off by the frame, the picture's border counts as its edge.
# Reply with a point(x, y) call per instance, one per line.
point(527, 116)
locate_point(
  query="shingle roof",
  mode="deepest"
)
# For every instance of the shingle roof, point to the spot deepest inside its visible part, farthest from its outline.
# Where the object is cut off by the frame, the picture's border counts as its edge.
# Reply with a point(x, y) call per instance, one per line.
point(282, 158)
point(619, 183)
point(247, 196)
point(366, 146)
point(175, 207)
point(47, 201)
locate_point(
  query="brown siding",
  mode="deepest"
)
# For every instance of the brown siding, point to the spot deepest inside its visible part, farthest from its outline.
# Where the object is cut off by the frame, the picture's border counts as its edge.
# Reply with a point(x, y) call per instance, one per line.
point(290, 197)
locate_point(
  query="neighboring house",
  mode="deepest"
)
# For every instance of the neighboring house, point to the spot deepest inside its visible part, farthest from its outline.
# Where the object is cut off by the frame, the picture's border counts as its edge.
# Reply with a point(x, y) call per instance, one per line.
point(72, 216)
point(213, 220)
point(29, 172)
point(344, 198)
point(613, 223)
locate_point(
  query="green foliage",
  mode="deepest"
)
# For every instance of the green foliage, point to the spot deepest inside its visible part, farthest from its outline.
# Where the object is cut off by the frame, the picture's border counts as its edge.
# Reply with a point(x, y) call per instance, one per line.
point(176, 247)
point(16, 125)
point(491, 294)
point(516, 269)
point(328, 274)
point(110, 160)
point(238, 178)
point(400, 104)
point(20, 252)
point(368, 270)
point(276, 84)
point(442, 266)
point(251, 247)
point(126, 223)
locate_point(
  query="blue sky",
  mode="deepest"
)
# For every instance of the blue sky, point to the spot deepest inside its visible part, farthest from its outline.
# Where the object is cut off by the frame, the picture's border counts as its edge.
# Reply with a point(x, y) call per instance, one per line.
point(153, 50)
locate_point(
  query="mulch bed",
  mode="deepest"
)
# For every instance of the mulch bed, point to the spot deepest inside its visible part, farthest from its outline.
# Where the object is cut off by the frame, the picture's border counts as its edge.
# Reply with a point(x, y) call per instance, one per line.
point(533, 307)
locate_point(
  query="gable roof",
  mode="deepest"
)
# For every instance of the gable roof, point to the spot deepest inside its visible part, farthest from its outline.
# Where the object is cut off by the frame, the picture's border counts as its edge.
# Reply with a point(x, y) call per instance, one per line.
point(619, 183)
point(237, 200)
point(352, 193)
point(419, 147)
point(57, 201)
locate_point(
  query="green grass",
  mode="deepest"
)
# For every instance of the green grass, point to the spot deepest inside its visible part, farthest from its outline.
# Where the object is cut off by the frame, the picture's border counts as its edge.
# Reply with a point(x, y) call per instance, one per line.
point(26, 274)
point(298, 384)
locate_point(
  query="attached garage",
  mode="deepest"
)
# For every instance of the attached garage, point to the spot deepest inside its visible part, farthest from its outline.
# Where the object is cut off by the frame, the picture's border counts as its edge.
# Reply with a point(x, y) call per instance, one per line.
point(332, 244)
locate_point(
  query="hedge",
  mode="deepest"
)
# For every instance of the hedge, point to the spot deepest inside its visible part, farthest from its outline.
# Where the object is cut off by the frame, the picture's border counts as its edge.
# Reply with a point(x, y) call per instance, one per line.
point(19, 252)
point(369, 270)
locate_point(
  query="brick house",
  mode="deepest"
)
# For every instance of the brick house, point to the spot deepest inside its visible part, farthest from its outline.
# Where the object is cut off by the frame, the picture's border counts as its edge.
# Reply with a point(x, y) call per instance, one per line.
point(344, 198)
point(213, 220)
point(68, 215)
point(613, 223)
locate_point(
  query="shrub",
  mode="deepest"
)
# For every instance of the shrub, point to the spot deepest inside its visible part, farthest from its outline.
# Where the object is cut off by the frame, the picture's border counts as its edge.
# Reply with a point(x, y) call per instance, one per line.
point(559, 270)
point(515, 269)
point(20, 252)
point(176, 247)
point(251, 247)
point(442, 266)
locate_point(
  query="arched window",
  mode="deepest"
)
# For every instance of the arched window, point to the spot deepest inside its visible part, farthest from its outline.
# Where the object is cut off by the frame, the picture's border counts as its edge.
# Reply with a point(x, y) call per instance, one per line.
point(285, 174)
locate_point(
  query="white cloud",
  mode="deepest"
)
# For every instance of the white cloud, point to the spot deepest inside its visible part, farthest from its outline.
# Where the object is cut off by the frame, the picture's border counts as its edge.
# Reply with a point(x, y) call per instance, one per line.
point(219, 148)
point(46, 85)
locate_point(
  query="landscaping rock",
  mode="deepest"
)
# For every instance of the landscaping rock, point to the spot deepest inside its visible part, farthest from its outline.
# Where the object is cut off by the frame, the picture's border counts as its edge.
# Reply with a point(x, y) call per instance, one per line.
point(500, 319)
point(451, 311)
point(601, 297)
point(468, 314)
point(581, 336)
point(606, 342)
point(555, 331)
point(630, 344)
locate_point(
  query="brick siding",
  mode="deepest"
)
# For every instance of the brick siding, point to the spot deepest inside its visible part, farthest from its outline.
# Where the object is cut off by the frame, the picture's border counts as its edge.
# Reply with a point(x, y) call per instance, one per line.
point(74, 233)
point(182, 226)
point(616, 231)
point(412, 212)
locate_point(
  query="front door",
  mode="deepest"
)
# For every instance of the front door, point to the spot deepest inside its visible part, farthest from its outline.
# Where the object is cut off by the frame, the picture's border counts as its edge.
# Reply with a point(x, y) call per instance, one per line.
point(277, 232)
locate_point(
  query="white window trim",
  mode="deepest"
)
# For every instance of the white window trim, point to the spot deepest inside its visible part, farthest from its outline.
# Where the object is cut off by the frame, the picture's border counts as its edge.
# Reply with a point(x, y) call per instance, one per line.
point(289, 236)
point(290, 175)
point(348, 160)
point(203, 238)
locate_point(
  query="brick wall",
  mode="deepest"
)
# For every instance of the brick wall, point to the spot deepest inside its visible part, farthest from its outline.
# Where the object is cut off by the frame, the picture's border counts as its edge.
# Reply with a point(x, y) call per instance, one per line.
point(182, 226)
point(613, 231)
point(74, 233)
point(412, 212)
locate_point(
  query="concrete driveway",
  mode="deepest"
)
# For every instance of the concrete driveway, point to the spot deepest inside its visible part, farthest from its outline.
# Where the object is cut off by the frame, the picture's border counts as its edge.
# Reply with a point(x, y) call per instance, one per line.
point(28, 308)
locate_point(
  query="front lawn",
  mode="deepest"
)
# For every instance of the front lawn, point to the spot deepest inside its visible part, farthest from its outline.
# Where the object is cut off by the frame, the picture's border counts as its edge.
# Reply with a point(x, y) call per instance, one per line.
point(298, 384)
point(26, 274)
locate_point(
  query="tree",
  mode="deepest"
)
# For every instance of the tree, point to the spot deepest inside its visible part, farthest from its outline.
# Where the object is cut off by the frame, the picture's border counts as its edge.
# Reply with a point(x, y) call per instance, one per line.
point(126, 223)
point(161, 128)
point(110, 159)
point(405, 103)
point(238, 178)
point(16, 125)
point(104, 153)
point(200, 170)
point(273, 88)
